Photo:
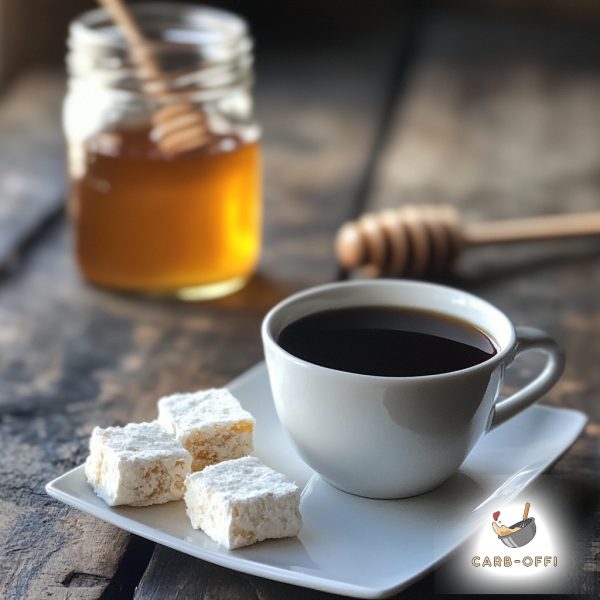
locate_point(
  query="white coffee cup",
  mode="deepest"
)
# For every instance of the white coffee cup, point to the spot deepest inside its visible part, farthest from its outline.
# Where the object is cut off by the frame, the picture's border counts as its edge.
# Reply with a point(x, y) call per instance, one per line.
point(393, 437)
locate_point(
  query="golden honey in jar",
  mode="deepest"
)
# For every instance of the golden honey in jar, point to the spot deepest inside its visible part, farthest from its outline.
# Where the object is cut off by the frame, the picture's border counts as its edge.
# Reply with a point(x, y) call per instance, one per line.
point(183, 222)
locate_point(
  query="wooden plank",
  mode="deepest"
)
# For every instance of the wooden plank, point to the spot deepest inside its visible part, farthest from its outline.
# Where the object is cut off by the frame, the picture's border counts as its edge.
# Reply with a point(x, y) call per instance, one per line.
point(171, 574)
point(502, 120)
point(11, 43)
point(581, 11)
point(32, 166)
point(72, 357)
point(33, 32)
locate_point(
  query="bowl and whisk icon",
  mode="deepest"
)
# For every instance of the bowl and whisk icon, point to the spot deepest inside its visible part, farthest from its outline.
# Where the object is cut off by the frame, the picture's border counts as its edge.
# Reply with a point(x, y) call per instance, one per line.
point(520, 533)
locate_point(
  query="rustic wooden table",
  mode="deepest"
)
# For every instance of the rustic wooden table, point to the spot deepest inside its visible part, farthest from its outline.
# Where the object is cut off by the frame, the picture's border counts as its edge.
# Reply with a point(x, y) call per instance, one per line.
point(500, 118)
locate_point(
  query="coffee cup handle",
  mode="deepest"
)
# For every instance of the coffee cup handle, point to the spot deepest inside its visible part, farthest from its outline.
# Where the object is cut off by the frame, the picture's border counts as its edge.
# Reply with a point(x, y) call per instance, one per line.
point(530, 338)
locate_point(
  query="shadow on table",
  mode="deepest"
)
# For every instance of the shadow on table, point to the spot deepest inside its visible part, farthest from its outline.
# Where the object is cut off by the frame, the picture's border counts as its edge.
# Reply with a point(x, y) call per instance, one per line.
point(257, 297)
point(503, 264)
point(261, 293)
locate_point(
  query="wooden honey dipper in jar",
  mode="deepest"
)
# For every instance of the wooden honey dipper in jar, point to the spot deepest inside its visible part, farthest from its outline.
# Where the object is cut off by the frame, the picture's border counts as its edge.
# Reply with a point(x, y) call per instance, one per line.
point(416, 239)
point(178, 126)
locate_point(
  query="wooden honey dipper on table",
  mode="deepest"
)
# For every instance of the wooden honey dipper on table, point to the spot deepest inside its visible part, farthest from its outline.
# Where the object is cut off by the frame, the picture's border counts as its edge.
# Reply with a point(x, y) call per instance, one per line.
point(178, 126)
point(415, 239)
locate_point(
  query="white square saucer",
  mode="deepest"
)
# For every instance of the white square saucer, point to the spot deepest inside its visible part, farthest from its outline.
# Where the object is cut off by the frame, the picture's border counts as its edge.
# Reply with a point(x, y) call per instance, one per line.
point(350, 545)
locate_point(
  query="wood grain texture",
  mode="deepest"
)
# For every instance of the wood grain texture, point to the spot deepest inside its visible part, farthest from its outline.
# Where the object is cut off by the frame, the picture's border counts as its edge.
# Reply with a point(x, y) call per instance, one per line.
point(502, 120)
point(73, 357)
point(33, 32)
point(32, 171)
point(174, 575)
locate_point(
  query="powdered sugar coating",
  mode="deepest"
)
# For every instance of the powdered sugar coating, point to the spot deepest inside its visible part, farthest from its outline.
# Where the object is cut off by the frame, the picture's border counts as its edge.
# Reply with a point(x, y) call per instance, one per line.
point(245, 479)
point(183, 414)
point(138, 440)
point(210, 424)
point(138, 464)
point(240, 502)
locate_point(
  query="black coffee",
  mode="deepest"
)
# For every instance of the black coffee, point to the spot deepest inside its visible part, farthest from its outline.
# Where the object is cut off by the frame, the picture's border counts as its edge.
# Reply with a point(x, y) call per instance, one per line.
point(387, 341)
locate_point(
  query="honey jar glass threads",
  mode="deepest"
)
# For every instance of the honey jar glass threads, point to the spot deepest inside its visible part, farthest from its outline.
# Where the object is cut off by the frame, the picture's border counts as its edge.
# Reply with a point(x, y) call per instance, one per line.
point(164, 163)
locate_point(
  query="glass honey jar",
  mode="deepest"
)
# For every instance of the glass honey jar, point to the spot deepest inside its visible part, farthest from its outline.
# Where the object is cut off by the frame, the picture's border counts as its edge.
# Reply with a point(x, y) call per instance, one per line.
point(182, 221)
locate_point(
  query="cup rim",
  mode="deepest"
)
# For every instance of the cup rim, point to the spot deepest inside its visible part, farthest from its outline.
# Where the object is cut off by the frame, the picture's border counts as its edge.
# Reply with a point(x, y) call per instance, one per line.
point(498, 358)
